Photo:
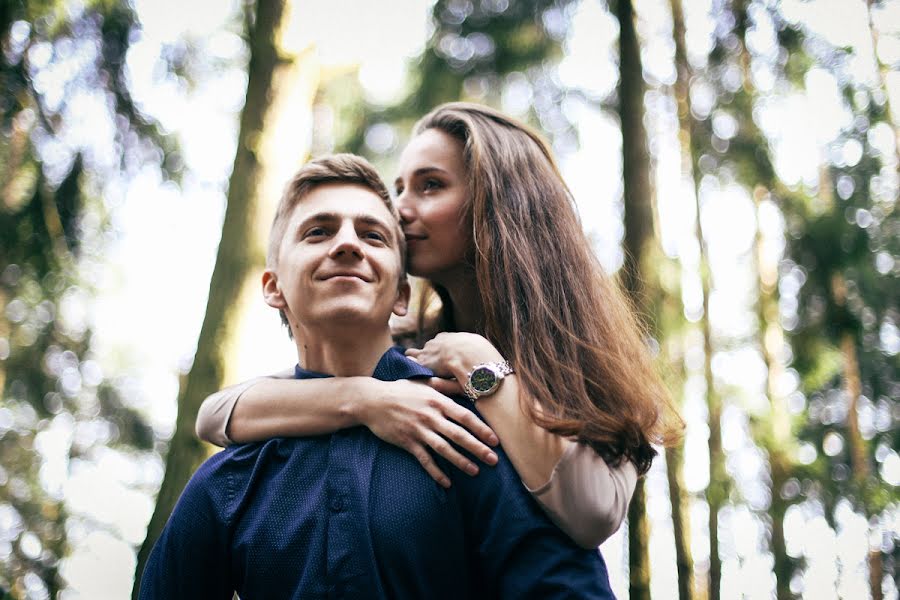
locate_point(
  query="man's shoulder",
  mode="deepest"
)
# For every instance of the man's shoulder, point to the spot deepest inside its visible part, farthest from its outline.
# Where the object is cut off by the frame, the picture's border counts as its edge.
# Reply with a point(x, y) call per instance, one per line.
point(232, 460)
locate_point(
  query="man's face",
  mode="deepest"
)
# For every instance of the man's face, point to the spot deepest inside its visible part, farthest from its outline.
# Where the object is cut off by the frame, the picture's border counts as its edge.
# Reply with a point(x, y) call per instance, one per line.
point(338, 262)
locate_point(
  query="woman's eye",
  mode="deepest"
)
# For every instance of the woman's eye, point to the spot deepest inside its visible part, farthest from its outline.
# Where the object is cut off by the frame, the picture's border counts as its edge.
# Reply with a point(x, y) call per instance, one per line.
point(431, 184)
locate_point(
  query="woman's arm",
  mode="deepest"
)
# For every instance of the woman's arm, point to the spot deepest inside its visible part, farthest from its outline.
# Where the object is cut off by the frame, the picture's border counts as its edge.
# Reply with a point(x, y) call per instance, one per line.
point(214, 417)
point(585, 497)
point(578, 490)
point(405, 413)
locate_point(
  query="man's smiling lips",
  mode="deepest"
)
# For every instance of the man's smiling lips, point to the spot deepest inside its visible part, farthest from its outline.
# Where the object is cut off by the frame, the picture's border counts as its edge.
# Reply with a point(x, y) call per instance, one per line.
point(344, 275)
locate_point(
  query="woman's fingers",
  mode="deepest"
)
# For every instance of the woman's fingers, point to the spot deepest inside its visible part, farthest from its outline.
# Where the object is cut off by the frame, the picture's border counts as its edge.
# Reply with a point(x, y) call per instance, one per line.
point(467, 441)
point(428, 463)
point(470, 421)
point(443, 447)
point(448, 387)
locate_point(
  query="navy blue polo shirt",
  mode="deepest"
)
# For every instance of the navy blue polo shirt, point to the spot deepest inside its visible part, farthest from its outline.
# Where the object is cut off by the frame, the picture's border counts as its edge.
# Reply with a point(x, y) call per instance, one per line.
point(346, 515)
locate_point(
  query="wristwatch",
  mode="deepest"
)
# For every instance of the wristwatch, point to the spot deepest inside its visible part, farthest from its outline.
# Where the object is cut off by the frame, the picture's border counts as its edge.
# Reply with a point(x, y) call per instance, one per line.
point(484, 379)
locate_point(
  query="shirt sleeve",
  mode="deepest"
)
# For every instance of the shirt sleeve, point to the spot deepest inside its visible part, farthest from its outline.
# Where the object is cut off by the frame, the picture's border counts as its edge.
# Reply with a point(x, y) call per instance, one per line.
point(585, 497)
point(191, 558)
point(215, 412)
point(518, 551)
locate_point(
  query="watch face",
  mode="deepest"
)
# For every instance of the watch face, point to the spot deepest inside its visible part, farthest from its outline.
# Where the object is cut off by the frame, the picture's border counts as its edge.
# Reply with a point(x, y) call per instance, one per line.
point(483, 380)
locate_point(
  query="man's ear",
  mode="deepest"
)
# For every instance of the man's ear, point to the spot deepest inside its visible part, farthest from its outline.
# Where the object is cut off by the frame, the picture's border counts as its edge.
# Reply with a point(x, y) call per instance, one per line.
point(401, 304)
point(271, 290)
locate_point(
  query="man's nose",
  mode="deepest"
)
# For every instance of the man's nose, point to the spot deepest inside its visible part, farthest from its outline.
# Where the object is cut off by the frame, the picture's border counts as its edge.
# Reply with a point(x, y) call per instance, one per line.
point(347, 242)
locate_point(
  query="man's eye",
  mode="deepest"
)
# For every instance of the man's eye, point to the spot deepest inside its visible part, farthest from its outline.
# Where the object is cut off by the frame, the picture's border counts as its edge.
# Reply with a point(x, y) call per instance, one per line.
point(315, 232)
point(374, 235)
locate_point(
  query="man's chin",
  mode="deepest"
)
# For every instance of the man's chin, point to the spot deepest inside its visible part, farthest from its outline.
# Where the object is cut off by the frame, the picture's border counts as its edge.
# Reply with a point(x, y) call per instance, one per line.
point(344, 314)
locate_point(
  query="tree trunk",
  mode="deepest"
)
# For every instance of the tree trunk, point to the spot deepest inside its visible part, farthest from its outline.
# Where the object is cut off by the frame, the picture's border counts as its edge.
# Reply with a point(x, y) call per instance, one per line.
point(859, 462)
point(680, 524)
point(233, 262)
point(638, 543)
point(853, 389)
point(637, 192)
point(876, 573)
point(638, 203)
point(777, 435)
point(689, 136)
point(689, 156)
point(717, 490)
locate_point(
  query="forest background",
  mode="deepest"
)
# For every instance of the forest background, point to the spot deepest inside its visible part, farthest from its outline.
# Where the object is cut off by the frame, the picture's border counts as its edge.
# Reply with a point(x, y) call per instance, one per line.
point(735, 161)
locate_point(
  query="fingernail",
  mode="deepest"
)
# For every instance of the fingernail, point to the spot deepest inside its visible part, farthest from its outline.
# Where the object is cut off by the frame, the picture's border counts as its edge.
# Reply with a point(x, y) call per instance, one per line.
point(471, 469)
point(493, 441)
point(445, 483)
point(491, 458)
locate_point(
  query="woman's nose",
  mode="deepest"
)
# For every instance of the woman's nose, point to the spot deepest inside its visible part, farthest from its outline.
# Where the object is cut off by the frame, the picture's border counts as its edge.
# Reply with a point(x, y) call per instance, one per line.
point(405, 208)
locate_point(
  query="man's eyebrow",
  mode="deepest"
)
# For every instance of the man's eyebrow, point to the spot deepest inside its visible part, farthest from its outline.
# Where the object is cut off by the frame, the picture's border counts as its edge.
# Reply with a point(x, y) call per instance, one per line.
point(370, 220)
point(421, 171)
point(319, 217)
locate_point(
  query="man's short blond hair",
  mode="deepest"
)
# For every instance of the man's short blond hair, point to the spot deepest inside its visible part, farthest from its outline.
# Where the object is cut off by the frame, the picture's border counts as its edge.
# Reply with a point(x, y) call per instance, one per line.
point(334, 168)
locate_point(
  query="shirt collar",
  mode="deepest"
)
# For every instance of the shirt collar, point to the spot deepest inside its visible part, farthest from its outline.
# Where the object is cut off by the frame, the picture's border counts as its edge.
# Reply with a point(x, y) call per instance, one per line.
point(392, 365)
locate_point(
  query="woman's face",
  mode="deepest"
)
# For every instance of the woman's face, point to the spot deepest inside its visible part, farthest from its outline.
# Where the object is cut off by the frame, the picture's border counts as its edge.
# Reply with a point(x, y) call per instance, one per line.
point(432, 192)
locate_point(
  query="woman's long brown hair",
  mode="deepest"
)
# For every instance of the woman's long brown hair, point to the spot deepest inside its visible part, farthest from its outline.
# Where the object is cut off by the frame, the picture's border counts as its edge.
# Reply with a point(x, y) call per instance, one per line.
point(549, 307)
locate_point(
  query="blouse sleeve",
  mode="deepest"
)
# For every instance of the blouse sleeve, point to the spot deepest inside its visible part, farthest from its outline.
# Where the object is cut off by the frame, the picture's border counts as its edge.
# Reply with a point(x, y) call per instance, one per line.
point(585, 497)
point(215, 412)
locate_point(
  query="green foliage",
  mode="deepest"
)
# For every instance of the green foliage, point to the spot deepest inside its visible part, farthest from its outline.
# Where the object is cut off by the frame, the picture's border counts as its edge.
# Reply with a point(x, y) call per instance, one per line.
point(844, 300)
point(473, 47)
point(52, 218)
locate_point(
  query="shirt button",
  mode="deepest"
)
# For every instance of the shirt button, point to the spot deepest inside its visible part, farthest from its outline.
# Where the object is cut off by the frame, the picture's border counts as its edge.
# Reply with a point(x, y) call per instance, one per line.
point(337, 504)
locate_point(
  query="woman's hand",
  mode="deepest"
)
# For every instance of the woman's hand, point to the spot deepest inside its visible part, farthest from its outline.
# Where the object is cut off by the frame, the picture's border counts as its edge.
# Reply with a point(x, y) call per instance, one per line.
point(454, 354)
point(416, 417)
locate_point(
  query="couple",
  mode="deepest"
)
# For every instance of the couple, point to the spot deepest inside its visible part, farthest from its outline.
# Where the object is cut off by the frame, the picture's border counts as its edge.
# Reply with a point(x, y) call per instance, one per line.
point(565, 382)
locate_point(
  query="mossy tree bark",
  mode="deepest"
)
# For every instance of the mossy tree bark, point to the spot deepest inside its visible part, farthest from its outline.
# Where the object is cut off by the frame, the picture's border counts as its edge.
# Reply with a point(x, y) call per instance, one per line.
point(639, 238)
point(233, 262)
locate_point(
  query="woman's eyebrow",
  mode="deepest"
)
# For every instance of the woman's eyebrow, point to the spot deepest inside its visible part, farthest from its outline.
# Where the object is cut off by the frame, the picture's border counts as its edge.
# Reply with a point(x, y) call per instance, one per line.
point(421, 171)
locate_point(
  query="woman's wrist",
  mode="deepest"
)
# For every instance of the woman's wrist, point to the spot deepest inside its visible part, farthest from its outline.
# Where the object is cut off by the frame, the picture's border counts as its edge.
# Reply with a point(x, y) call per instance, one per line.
point(361, 397)
point(478, 352)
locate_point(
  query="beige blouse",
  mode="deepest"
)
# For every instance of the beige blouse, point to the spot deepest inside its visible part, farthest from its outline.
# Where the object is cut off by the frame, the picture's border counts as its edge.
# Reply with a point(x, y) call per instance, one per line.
point(584, 496)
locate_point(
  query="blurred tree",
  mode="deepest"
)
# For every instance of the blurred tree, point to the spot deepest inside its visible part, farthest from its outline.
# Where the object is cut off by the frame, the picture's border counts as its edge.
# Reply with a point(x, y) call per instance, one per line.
point(844, 248)
point(827, 249)
point(724, 141)
point(57, 61)
point(883, 70)
point(688, 138)
point(236, 256)
point(477, 51)
point(773, 429)
point(640, 246)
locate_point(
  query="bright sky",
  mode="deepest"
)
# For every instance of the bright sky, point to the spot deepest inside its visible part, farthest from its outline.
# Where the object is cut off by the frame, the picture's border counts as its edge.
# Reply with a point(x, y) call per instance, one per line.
point(153, 293)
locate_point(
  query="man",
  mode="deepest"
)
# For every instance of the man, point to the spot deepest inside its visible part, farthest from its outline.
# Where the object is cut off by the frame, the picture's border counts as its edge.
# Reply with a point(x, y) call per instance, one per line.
point(346, 515)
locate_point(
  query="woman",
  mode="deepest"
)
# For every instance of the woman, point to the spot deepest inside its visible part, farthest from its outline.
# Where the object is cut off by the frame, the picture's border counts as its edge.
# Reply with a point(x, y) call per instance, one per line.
point(491, 225)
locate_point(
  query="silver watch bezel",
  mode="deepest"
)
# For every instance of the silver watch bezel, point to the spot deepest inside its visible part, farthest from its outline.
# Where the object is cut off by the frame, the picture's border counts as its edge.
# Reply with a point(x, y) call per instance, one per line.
point(498, 370)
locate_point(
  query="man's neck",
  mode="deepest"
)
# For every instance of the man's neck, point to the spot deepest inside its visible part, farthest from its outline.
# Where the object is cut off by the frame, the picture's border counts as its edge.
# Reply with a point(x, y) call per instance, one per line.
point(346, 352)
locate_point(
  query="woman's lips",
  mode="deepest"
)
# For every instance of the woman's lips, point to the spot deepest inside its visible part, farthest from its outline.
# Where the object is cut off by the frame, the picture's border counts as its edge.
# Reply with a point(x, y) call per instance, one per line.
point(413, 238)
